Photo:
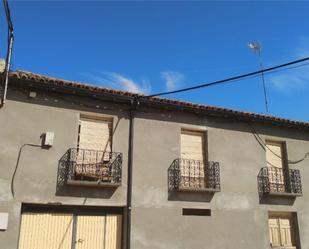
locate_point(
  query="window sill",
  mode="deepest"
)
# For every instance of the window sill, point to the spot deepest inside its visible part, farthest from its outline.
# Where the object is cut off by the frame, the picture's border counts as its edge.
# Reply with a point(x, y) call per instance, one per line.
point(283, 194)
point(92, 183)
point(191, 189)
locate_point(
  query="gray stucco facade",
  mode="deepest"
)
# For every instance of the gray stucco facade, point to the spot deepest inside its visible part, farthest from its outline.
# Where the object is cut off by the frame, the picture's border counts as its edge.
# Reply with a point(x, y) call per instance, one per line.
point(239, 218)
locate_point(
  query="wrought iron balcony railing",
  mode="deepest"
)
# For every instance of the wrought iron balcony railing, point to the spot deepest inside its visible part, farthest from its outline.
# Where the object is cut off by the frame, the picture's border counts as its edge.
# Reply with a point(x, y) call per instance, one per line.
point(275, 181)
point(194, 175)
point(80, 166)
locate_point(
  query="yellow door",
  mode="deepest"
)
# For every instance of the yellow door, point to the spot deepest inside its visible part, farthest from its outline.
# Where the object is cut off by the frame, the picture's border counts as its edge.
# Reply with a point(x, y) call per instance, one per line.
point(113, 231)
point(274, 157)
point(98, 232)
point(90, 232)
point(46, 230)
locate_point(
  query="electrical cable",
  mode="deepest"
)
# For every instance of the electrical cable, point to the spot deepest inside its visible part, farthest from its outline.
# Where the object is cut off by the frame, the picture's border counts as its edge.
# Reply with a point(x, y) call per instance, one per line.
point(230, 79)
point(264, 146)
point(17, 163)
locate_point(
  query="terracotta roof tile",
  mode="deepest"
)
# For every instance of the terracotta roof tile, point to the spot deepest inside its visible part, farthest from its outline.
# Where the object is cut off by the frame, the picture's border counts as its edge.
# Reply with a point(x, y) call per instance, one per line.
point(24, 75)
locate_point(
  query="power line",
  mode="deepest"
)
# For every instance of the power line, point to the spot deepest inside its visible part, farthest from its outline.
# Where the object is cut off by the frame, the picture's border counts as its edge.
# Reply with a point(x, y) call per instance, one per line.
point(265, 146)
point(230, 79)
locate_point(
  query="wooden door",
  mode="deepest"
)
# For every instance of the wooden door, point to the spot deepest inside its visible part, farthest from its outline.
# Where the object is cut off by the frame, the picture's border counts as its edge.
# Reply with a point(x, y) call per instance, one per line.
point(46, 230)
point(98, 232)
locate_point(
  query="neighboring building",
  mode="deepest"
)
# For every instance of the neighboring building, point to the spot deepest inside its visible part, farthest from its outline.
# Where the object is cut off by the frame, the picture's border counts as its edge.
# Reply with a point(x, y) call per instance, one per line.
point(202, 177)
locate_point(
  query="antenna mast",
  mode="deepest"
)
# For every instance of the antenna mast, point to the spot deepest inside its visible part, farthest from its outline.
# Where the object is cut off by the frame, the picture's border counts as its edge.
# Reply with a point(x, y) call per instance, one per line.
point(257, 48)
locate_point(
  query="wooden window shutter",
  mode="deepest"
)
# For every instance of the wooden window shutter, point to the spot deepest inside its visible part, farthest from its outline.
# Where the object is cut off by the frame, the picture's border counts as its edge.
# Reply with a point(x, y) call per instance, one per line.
point(274, 231)
point(274, 154)
point(95, 134)
point(286, 231)
point(193, 145)
point(274, 157)
point(281, 231)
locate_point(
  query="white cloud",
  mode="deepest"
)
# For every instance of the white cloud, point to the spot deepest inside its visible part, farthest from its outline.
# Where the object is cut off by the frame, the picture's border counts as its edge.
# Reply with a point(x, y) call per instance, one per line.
point(297, 78)
point(294, 80)
point(173, 79)
point(119, 81)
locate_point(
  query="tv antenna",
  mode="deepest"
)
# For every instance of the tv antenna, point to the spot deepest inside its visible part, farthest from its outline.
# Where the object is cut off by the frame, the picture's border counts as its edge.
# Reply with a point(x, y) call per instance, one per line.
point(257, 48)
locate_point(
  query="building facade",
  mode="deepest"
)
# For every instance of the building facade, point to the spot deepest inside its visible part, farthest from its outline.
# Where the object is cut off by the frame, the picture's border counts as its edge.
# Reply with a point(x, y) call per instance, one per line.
point(87, 167)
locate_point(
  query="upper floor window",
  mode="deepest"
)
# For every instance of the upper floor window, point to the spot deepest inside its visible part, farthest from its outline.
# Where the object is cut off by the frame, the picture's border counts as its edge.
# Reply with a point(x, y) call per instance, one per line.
point(193, 145)
point(95, 134)
point(277, 178)
point(192, 171)
point(93, 162)
point(275, 158)
point(275, 154)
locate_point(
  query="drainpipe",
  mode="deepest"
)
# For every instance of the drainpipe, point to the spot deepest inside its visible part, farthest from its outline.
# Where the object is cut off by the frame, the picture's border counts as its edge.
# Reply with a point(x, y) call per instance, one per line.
point(134, 104)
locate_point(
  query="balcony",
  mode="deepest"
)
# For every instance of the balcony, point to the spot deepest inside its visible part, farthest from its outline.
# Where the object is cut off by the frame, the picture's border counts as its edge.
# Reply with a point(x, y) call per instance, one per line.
point(194, 175)
point(275, 181)
point(90, 168)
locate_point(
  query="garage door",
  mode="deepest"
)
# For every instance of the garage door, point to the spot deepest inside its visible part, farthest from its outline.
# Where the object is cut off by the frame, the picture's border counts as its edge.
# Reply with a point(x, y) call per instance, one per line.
point(67, 231)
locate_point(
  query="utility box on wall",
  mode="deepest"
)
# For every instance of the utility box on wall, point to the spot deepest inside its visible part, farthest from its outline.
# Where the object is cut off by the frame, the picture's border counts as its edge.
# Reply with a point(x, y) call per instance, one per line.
point(4, 217)
point(48, 139)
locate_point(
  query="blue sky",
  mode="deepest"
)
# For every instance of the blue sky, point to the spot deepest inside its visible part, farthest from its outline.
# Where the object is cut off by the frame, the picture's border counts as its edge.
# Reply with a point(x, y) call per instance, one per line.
point(156, 46)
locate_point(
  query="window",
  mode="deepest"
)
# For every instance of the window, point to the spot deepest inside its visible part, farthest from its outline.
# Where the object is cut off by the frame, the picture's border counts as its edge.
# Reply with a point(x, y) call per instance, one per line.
point(193, 145)
point(95, 134)
point(94, 139)
point(282, 231)
point(275, 158)
point(192, 165)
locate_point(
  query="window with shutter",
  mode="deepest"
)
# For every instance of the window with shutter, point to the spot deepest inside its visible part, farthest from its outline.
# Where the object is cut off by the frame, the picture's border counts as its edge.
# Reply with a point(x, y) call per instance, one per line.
point(281, 231)
point(275, 164)
point(193, 158)
point(193, 145)
point(95, 138)
point(95, 134)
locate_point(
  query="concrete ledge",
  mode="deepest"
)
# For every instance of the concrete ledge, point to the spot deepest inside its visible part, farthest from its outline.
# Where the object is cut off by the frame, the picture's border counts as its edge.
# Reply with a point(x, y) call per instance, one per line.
point(283, 194)
point(208, 190)
point(92, 184)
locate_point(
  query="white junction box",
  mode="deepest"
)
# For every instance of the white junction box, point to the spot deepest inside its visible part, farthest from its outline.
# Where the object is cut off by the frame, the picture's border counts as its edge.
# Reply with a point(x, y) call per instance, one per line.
point(49, 139)
point(4, 217)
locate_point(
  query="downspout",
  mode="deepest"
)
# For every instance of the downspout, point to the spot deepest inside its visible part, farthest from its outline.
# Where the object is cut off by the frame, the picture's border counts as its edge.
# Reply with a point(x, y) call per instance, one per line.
point(134, 104)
